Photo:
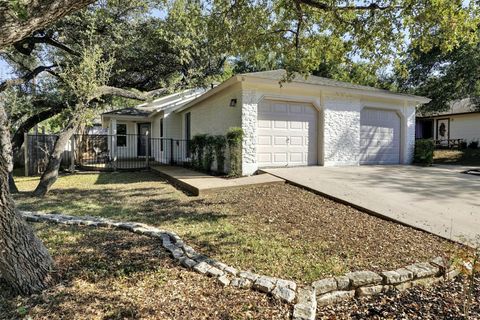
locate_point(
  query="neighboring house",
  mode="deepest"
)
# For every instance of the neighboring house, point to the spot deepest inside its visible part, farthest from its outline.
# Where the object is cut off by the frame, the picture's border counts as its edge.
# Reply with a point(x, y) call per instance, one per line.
point(460, 121)
point(307, 121)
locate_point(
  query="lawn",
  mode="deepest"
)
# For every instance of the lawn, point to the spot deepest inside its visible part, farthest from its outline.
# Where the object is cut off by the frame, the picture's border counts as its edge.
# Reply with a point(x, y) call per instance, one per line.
point(276, 230)
point(466, 157)
point(105, 274)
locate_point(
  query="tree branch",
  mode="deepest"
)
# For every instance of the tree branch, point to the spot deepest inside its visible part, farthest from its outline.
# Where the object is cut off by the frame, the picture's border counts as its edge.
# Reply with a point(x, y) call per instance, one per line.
point(25, 78)
point(27, 45)
point(326, 7)
point(27, 125)
point(137, 95)
point(36, 14)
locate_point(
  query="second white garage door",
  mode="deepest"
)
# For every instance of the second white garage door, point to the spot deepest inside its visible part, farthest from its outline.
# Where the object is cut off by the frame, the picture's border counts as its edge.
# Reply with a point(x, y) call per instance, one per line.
point(286, 134)
point(379, 137)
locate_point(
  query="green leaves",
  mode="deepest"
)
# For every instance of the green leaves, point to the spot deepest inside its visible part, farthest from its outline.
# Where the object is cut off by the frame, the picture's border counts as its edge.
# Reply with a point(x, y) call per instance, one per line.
point(91, 72)
point(19, 8)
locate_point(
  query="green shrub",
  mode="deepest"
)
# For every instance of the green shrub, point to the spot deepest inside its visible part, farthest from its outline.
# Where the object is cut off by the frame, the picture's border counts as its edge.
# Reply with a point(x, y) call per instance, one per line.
point(220, 144)
point(197, 148)
point(234, 141)
point(473, 144)
point(209, 153)
point(424, 151)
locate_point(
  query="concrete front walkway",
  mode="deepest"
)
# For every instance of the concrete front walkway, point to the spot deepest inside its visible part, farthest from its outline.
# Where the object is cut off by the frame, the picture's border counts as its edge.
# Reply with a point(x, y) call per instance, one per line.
point(440, 200)
point(199, 183)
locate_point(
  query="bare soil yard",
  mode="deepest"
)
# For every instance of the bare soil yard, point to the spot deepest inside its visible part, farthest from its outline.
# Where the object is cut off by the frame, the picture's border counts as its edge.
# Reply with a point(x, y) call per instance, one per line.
point(281, 231)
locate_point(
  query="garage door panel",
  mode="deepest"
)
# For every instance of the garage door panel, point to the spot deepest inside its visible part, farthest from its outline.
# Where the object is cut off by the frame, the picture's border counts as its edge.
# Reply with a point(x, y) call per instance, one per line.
point(296, 125)
point(296, 157)
point(264, 157)
point(280, 140)
point(280, 124)
point(264, 140)
point(279, 108)
point(379, 137)
point(295, 108)
point(264, 124)
point(280, 158)
point(296, 141)
point(291, 127)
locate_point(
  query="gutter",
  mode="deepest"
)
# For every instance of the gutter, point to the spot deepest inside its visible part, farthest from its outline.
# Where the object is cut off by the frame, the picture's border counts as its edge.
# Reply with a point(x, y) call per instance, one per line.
point(210, 93)
point(327, 88)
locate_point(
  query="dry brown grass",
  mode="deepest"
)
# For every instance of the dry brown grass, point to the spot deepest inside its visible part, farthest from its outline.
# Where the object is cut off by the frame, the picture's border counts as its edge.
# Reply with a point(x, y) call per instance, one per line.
point(105, 274)
point(280, 231)
point(466, 157)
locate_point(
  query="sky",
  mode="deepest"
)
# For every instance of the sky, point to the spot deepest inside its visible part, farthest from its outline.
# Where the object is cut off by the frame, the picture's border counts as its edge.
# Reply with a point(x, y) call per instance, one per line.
point(4, 70)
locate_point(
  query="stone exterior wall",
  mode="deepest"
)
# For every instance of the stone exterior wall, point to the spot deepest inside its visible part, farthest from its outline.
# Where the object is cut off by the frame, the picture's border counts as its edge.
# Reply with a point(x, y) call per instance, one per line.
point(409, 115)
point(341, 130)
point(249, 105)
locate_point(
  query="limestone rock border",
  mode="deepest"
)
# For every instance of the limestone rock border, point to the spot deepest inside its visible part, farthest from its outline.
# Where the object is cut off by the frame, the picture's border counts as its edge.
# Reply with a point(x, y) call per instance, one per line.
point(281, 289)
point(320, 293)
point(367, 283)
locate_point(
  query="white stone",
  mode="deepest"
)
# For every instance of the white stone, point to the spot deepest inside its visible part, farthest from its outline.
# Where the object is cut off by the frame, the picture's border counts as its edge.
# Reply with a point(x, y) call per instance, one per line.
point(231, 270)
point(343, 282)
point(283, 293)
point(325, 285)
point(223, 280)
point(188, 263)
point(306, 306)
point(287, 283)
point(335, 297)
point(371, 290)
point(248, 275)
point(362, 278)
point(202, 267)
point(264, 284)
point(423, 270)
point(215, 272)
point(241, 283)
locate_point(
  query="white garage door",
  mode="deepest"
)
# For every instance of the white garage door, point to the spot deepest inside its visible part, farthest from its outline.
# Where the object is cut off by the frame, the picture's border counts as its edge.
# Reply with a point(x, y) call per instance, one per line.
point(379, 137)
point(286, 134)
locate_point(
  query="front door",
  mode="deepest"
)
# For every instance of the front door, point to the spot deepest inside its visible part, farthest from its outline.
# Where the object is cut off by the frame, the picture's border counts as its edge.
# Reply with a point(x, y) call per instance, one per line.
point(143, 141)
point(443, 130)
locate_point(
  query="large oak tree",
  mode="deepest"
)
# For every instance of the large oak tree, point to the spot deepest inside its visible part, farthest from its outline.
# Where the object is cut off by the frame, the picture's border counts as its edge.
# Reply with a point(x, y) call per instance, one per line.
point(298, 35)
point(25, 263)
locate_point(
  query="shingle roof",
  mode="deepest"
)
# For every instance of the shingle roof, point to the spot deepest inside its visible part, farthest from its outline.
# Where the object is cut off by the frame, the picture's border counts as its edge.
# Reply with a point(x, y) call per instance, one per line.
point(129, 112)
point(456, 107)
point(280, 74)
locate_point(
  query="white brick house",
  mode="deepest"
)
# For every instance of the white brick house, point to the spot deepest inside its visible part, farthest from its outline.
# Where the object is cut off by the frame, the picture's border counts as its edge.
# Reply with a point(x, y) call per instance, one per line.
point(312, 121)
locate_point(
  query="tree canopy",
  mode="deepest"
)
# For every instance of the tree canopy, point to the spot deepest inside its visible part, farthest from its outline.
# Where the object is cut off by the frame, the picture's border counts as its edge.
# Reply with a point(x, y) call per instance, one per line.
point(443, 76)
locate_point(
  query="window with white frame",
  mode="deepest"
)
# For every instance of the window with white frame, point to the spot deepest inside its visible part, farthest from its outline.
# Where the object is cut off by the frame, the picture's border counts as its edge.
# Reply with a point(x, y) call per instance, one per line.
point(121, 135)
point(161, 134)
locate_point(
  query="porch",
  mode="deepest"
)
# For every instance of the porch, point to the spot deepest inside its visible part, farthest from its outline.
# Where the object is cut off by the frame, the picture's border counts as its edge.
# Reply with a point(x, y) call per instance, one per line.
point(107, 152)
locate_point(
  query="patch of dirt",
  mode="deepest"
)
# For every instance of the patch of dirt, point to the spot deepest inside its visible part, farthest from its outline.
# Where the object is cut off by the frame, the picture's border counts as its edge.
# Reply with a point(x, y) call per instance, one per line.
point(359, 240)
point(442, 301)
point(106, 274)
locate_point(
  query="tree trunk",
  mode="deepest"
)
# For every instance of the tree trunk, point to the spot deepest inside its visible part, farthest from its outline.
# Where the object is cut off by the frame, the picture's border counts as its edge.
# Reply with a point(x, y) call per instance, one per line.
point(50, 175)
point(38, 14)
point(25, 263)
point(11, 183)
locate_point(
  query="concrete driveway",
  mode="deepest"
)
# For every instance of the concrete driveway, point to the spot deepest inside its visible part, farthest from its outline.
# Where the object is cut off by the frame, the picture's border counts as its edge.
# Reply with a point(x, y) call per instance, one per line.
point(440, 200)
